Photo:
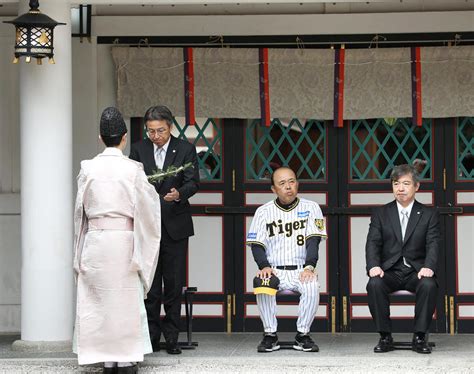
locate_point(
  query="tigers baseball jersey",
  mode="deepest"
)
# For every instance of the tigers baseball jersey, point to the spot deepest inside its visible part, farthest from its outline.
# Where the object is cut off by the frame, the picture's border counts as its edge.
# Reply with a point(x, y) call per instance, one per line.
point(283, 232)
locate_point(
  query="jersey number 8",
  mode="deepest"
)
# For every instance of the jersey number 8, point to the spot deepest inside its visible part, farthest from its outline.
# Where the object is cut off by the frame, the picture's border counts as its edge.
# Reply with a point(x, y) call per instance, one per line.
point(300, 239)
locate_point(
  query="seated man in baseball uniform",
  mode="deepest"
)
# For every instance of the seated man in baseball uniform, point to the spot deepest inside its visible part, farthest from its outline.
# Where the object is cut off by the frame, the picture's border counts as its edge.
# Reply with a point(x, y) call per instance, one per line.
point(284, 237)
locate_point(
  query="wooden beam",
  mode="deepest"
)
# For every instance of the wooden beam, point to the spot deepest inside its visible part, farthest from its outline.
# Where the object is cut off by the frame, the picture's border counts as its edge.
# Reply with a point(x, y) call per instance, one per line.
point(302, 24)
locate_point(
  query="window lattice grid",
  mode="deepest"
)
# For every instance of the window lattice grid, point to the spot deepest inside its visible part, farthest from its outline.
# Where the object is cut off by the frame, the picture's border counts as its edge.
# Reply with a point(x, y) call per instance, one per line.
point(377, 146)
point(465, 148)
point(206, 136)
point(300, 145)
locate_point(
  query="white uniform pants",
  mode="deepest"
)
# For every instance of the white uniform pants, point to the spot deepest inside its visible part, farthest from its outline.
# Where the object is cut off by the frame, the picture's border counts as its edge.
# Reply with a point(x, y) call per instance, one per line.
point(309, 301)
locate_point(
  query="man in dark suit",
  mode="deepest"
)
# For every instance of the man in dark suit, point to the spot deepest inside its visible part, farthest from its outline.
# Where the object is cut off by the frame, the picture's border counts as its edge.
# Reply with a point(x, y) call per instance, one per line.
point(160, 151)
point(402, 254)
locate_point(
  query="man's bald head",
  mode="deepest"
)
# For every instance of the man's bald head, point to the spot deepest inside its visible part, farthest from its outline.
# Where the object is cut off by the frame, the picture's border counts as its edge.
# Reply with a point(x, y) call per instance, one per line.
point(280, 170)
point(285, 185)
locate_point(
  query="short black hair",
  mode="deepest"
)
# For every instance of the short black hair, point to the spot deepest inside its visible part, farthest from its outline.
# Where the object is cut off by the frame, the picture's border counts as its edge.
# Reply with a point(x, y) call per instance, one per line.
point(112, 141)
point(158, 113)
point(404, 169)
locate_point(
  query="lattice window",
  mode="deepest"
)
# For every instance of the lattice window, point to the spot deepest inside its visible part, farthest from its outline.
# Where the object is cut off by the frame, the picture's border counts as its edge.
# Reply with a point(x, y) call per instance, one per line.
point(377, 146)
point(206, 136)
point(465, 148)
point(301, 145)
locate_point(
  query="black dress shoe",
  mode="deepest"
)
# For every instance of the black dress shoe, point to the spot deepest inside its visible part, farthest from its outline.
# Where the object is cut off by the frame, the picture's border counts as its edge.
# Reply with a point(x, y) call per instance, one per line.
point(110, 370)
point(420, 345)
point(155, 345)
point(173, 348)
point(128, 369)
point(385, 344)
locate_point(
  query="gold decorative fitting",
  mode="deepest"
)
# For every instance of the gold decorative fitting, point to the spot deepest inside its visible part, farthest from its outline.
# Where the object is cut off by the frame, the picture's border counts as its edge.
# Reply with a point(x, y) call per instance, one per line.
point(43, 39)
point(229, 314)
point(444, 179)
point(333, 314)
point(451, 315)
point(344, 312)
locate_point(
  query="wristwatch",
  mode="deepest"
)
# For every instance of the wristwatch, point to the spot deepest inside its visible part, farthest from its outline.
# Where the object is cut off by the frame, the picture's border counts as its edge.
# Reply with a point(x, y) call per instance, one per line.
point(309, 267)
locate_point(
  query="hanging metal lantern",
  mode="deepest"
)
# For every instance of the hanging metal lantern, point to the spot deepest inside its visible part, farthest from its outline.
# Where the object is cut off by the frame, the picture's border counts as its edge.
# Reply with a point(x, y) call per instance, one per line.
point(34, 35)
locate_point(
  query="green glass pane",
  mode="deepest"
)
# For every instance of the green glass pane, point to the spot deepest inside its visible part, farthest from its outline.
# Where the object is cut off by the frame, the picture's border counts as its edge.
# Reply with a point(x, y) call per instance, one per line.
point(377, 145)
point(301, 145)
point(465, 148)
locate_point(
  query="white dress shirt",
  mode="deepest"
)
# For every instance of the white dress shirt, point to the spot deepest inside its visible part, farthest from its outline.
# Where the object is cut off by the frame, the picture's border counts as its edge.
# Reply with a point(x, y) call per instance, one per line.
point(156, 151)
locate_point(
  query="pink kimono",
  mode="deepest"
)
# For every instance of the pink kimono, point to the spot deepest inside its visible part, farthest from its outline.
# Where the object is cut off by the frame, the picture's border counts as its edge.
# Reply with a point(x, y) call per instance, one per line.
point(117, 240)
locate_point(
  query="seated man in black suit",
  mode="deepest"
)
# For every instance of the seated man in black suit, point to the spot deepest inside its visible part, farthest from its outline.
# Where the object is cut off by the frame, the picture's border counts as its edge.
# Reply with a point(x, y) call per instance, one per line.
point(402, 254)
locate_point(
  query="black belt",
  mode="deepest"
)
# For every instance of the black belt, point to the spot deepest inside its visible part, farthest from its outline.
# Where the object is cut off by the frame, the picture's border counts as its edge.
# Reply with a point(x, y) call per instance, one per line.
point(289, 267)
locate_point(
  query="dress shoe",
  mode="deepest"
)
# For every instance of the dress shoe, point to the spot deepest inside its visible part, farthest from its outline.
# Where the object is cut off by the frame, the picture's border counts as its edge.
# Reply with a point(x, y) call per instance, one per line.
point(385, 344)
point(128, 369)
point(173, 348)
point(155, 345)
point(420, 345)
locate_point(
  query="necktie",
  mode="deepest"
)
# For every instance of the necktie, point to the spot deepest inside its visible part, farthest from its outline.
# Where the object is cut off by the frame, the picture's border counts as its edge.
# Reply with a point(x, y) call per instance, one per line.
point(404, 223)
point(160, 158)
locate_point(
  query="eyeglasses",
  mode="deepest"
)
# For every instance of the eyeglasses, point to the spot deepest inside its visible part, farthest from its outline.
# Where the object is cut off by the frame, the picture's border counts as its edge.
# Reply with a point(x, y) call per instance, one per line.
point(156, 131)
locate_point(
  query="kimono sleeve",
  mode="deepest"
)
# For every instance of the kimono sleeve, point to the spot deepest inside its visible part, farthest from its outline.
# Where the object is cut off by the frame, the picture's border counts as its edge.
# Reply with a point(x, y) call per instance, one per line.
point(146, 229)
point(316, 223)
point(257, 232)
point(80, 222)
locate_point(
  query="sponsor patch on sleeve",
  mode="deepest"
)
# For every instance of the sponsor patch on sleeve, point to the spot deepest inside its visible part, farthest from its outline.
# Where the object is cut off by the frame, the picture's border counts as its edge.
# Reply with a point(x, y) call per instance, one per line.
point(303, 214)
point(252, 235)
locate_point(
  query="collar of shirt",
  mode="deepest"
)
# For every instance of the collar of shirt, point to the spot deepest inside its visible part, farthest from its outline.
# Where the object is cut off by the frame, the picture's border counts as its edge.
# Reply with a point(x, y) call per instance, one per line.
point(408, 208)
point(112, 151)
point(165, 146)
point(289, 206)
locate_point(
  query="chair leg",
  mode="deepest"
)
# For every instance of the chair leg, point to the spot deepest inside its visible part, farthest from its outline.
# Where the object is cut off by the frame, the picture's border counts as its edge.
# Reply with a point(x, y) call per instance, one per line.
point(189, 325)
point(188, 305)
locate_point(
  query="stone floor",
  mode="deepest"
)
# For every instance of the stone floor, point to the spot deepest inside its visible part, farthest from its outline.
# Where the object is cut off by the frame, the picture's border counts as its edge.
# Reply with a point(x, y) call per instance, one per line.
point(236, 353)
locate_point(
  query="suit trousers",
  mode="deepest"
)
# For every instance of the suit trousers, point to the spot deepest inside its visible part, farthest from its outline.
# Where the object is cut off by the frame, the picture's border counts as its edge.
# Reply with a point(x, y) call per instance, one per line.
point(167, 289)
point(402, 277)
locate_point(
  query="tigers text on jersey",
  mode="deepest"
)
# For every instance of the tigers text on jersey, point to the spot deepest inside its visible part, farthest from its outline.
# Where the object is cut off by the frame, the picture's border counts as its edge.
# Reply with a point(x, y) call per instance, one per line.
point(283, 233)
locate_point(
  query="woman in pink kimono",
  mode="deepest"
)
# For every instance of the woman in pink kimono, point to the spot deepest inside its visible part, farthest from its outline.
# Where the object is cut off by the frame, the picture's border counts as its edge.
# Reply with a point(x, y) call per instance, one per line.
point(117, 240)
